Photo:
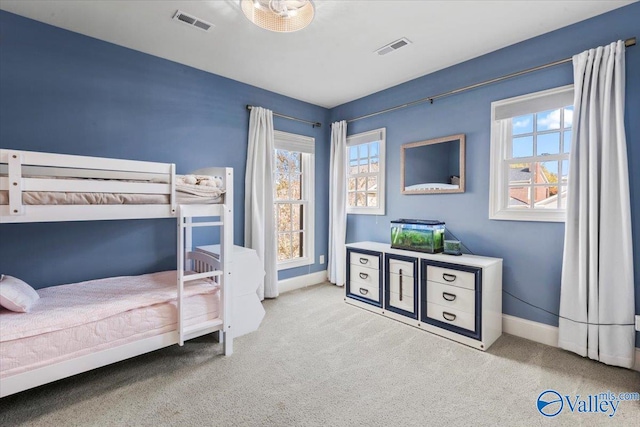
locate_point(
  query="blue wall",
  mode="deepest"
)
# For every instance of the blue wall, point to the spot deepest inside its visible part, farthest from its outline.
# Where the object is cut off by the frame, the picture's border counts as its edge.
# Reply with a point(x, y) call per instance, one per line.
point(532, 251)
point(62, 92)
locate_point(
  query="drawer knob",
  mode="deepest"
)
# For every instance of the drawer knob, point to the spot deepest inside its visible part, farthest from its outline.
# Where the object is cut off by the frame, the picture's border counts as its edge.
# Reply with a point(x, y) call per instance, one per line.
point(400, 284)
point(364, 291)
point(449, 316)
point(363, 275)
point(449, 277)
point(448, 296)
point(364, 261)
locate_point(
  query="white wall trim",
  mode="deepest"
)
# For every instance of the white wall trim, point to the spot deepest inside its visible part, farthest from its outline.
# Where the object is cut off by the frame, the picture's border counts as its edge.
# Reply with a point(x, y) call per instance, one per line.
point(302, 281)
point(539, 332)
point(533, 331)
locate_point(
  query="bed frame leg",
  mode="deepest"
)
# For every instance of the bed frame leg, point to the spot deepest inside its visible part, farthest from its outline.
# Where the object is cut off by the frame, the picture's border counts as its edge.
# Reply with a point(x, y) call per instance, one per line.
point(227, 343)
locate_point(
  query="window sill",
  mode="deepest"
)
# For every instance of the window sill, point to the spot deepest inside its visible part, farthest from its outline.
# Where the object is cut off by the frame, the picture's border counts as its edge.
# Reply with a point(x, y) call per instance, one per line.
point(298, 262)
point(365, 211)
point(536, 216)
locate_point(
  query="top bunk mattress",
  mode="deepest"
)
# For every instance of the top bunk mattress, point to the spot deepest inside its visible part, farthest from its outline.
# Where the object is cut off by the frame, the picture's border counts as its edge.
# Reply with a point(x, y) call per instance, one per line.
point(190, 189)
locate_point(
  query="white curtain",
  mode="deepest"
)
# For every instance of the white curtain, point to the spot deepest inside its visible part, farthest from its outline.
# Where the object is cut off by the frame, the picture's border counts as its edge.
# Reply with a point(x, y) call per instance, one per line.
point(597, 291)
point(337, 203)
point(259, 221)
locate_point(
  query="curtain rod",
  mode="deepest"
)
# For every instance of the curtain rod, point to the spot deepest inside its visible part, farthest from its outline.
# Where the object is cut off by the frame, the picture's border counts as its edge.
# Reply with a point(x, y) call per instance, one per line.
point(628, 42)
point(313, 124)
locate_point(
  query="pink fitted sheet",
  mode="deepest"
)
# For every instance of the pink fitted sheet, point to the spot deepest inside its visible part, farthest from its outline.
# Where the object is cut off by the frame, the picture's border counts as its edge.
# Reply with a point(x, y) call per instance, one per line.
point(79, 318)
point(36, 351)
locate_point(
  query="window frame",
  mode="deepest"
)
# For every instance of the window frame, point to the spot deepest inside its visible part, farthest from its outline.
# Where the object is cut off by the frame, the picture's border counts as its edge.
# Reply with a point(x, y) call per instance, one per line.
point(294, 142)
point(375, 135)
point(501, 144)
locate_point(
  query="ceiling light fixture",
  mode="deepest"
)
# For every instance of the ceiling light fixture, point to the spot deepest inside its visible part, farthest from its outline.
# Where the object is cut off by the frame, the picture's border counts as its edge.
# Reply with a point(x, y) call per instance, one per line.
point(283, 16)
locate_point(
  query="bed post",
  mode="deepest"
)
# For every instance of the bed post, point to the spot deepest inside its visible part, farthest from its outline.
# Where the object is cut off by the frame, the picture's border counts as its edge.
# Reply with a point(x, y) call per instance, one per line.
point(226, 253)
point(180, 275)
point(14, 163)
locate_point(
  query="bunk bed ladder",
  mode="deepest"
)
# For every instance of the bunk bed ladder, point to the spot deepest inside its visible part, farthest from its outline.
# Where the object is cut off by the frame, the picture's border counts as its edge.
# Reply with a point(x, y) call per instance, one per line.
point(185, 229)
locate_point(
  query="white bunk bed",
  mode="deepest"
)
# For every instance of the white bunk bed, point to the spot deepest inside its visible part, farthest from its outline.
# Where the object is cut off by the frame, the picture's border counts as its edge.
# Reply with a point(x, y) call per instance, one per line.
point(30, 186)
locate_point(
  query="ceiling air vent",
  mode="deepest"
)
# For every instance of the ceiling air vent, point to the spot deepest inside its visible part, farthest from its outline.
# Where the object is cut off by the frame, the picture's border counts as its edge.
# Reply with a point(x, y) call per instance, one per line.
point(393, 46)
point(192, 21)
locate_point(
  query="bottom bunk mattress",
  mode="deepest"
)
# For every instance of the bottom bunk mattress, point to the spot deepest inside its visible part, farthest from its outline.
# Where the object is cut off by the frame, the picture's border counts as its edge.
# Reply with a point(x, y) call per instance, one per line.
point(74, 320)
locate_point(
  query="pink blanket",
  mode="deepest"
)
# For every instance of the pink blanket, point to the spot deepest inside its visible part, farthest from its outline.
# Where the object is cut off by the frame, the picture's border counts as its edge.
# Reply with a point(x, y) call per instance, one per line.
point(66, 306)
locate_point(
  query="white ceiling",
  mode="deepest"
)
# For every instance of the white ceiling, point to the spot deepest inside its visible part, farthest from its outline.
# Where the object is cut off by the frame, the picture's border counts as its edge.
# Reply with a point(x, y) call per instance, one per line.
point(330, 62)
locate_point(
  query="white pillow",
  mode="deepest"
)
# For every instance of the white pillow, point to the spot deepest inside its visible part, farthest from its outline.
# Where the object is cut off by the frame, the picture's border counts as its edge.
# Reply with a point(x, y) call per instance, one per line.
point(16, 295)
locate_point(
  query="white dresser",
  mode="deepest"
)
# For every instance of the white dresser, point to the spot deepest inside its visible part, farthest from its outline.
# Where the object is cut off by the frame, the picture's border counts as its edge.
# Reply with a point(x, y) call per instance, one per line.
point(247, 311)
point(457, 297)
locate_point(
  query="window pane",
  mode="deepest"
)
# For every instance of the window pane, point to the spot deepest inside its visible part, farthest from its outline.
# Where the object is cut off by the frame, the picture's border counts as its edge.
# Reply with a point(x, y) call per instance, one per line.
point(519, 173)
point(351, 184)
point(353, 167)
point(565, 171)
point(562, 202)
point(284, 217)
point(522, 124)
point(352, 198)
point(296, 245)
point(280, 160)
point(364, 166)
point(296, 187)
point(362, 183)
point(295, 162)
point(546, 197)
point(353, 153)
point(372, 199)
point(545, 172)
point(519, 197)
point(548, 120)
point(522, 147)
point(548, 143)
point(567, 141)
point(568, 117)
point(375, 164)
point(360, 199)
point(373, 149)
point(296, 217)
point(282, 187)
point(363, 151)
point(284, 246)
point(372, 183)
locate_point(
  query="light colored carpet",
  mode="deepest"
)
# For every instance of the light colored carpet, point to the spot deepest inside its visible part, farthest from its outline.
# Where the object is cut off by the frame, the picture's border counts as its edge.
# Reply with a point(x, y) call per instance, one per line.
point(317, 361)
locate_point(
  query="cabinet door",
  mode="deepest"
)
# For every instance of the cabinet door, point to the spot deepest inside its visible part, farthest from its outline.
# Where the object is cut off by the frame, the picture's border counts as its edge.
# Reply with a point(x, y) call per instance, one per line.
point(401, 285)
point(451, 297)
point(364, 276)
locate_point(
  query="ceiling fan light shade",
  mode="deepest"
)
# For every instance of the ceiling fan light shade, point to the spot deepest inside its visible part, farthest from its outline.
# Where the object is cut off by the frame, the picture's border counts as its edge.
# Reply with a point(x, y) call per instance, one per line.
point(283, 16)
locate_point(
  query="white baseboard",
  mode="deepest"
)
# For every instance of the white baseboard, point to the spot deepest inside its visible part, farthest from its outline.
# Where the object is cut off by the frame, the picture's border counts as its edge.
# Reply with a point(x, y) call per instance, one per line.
point(533, 331)
point(301, 281)
point(539, 332)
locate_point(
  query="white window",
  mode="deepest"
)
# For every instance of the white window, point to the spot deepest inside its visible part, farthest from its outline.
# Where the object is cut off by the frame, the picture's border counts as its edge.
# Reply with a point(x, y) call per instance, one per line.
point(293, 199)
point(530, 144)
point(365, 172)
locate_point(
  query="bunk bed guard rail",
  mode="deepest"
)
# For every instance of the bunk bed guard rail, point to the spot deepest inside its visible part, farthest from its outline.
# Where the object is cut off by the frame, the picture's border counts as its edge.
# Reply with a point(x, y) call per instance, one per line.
point(27, 171)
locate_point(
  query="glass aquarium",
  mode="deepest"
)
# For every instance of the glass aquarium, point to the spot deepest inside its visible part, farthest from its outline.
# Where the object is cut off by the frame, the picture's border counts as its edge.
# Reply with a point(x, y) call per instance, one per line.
point(418, 235)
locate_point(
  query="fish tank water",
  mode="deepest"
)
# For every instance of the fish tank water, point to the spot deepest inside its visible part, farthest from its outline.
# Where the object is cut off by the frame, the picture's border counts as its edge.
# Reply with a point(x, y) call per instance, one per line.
point(418, 235)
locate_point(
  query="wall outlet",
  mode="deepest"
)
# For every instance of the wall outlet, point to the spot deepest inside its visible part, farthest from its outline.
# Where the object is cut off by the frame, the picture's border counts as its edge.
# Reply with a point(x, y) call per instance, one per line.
point(322, 262)
point(638, 323)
